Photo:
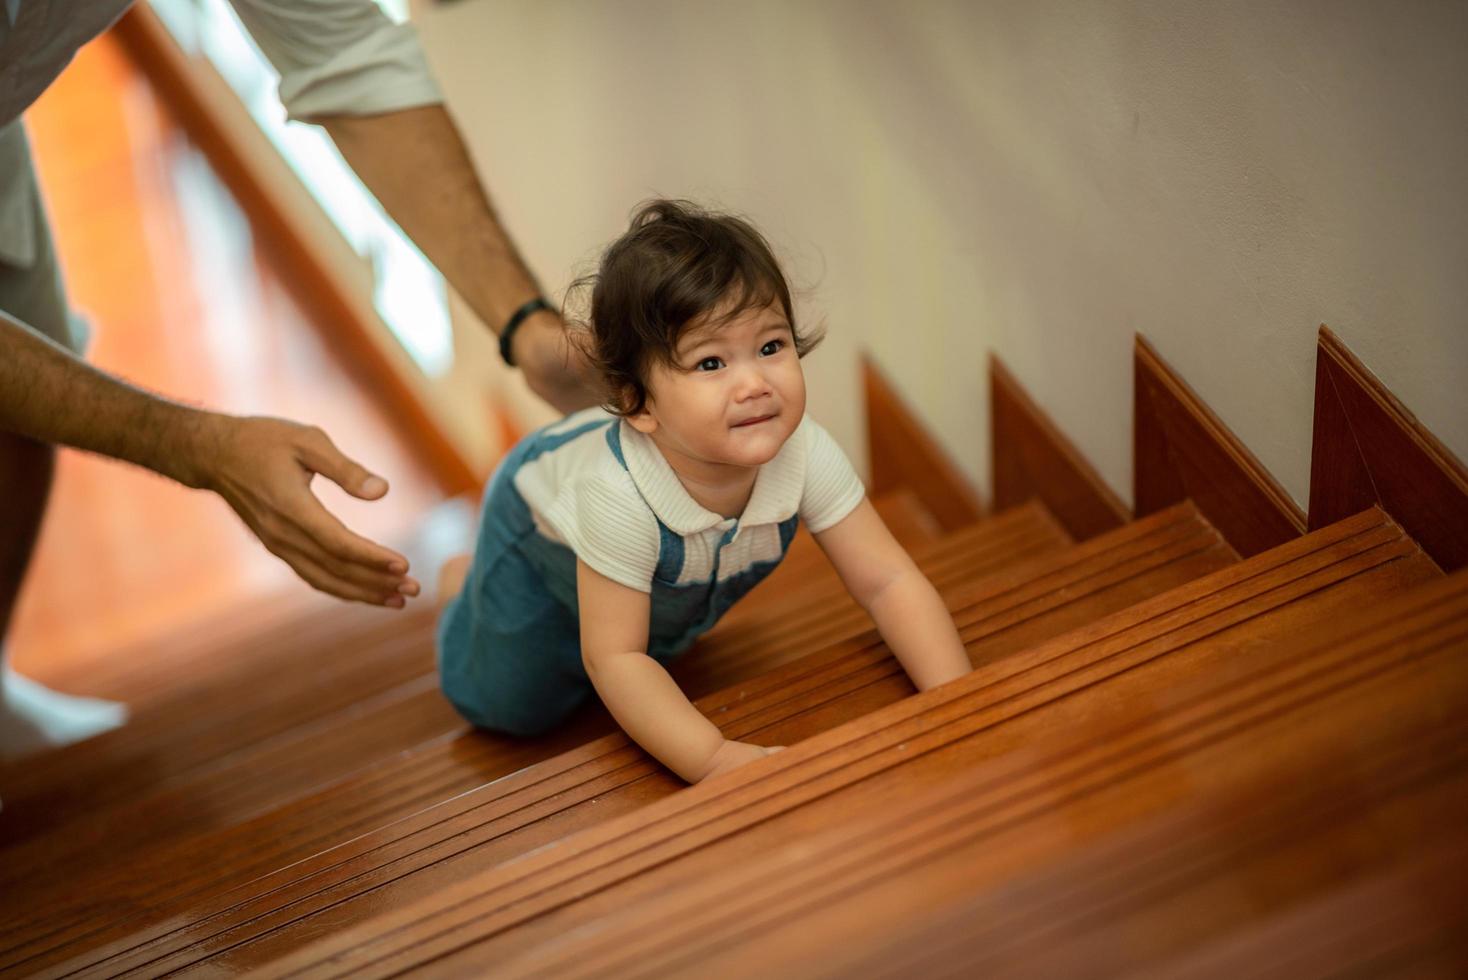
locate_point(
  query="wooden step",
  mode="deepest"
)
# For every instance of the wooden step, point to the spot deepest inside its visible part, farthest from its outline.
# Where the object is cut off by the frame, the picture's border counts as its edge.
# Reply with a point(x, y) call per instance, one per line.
point(260, 780)
point(806, 567)
point(1382, 922)
point(1006, 612)
point(902, 512)
point(141, 675)
point(762, 634)
point(471, 768)
point(333, 661)
point(1345, 760)
point(336, 657)
point(1219, 624)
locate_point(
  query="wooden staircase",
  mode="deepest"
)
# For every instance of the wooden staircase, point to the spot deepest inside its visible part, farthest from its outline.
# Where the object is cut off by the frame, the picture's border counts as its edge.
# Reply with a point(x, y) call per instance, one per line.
point(1167, 759)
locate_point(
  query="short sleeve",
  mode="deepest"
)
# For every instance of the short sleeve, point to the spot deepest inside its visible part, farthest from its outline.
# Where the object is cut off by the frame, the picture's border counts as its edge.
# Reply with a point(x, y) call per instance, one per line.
point(612, 529)
point(832, 488)
point(339, 56)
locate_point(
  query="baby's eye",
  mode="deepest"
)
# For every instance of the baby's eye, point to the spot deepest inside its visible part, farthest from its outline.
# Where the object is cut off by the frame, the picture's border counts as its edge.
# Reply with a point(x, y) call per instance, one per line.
point(778, 345)
point(702, 365)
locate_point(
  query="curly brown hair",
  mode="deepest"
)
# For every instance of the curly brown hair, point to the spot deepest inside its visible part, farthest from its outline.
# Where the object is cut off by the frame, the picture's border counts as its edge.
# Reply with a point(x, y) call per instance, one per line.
point(676, 266)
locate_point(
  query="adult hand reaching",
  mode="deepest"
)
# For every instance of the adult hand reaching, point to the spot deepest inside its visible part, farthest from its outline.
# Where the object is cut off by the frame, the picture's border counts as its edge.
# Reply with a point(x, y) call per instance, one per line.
point(263, 468)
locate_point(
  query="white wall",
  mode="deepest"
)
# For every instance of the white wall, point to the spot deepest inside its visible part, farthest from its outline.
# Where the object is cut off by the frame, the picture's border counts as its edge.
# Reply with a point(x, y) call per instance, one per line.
point(1041, 178)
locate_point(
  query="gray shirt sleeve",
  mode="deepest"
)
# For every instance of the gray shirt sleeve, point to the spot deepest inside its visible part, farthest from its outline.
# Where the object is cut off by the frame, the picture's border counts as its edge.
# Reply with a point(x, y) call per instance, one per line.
point(339, 56)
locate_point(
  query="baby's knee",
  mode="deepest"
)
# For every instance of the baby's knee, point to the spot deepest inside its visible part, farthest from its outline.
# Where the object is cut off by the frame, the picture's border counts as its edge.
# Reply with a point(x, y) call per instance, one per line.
point(512, 702)
point(525, 726)
point(507, 716)
point(517, 684)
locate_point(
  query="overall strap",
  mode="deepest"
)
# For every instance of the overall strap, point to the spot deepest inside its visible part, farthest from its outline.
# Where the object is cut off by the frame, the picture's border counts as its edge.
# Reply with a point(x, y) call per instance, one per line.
point(670, 543)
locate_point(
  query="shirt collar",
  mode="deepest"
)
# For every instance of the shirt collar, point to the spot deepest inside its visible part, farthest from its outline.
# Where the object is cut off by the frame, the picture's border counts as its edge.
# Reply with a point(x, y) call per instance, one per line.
point(777, 487)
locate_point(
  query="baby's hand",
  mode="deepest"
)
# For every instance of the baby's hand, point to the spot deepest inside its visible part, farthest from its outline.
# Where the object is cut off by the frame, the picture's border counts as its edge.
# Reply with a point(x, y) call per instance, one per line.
point(732, 755)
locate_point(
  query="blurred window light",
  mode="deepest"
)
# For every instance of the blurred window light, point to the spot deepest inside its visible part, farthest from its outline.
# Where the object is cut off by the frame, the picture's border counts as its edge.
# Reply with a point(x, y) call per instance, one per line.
point(408, 292)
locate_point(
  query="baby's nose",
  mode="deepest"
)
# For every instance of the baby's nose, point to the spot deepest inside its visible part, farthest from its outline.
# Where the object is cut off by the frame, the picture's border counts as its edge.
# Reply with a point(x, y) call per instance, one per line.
point(753, 383)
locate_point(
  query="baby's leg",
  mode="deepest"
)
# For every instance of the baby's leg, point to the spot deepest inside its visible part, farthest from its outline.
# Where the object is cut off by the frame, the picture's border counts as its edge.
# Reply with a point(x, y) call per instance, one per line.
point(509, 654)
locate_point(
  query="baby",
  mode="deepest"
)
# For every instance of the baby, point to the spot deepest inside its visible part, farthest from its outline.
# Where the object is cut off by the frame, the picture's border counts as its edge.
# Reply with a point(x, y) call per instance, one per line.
point(613, 538)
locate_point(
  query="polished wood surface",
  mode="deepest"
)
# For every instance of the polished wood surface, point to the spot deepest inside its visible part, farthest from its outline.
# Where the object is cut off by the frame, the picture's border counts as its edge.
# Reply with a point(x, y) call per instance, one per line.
point(765, 632)
point(852, 676)
point(1004, 613)
point(1211, 625)
point(1182, 450)
point(1032, 458)
point(1382, 921)
point(1322, 770)
point(206, 722)
point(182, 299)
point(359, 709)
point(1369, 449)
point(904, 454)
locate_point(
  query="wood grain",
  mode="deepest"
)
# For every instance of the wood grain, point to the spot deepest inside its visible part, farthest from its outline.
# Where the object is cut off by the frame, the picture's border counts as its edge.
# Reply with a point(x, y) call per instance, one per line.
point(1025, 603)
point(1370, 450)
point(1181, 450)
point(896, 750)
point(1032, 458)
point(1290, 813)
point(150, 846)
point(904, 454)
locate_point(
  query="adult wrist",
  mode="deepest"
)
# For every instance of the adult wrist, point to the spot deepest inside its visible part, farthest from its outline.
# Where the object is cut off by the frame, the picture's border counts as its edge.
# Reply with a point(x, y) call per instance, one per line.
point(526, 348)
point(512, 327)
point(192, 448)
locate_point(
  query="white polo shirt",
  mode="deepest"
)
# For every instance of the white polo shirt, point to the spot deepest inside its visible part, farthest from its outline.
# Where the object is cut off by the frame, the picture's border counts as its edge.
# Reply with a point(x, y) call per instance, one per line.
point(609, 495)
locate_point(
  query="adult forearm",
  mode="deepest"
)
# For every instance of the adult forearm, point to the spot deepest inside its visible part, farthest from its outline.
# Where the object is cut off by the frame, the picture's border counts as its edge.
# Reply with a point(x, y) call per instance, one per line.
point(415, 162)
point(261, 467)
point(655, 713)
point(50, 395)
point(919, 629)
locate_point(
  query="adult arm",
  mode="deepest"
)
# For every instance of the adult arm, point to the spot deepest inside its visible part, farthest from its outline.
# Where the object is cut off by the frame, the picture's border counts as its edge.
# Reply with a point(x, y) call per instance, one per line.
point(639, 693)
point(415, 162)
point(262, 467)
point(344, 65)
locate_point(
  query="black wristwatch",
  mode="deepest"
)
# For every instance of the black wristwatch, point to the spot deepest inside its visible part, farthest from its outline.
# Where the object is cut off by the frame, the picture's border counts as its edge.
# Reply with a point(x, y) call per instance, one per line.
point(507, 334)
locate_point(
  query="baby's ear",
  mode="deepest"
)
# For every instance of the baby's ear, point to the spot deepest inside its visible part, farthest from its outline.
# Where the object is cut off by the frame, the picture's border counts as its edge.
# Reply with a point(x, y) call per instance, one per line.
point(642, 419)
point(643, 422)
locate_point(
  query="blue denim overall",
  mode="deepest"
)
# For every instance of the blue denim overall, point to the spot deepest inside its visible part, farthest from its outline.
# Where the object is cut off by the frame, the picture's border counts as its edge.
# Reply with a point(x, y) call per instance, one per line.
point(509, 645)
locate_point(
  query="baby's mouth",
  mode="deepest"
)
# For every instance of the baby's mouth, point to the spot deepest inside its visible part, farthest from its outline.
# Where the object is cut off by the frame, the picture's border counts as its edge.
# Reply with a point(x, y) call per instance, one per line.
point(754, 421)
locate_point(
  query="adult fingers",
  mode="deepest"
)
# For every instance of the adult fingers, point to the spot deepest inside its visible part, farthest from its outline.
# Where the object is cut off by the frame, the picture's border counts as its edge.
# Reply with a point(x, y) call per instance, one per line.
point(368, 576)
point(323, 580)
point(334, 538)
point(320, 454)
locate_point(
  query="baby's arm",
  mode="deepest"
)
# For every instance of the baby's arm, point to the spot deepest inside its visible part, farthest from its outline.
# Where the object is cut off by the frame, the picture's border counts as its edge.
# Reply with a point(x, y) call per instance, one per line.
point(646, 702)
point(908, 611)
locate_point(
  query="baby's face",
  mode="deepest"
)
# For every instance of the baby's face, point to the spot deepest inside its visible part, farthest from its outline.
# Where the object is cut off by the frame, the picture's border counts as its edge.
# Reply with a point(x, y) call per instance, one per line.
point(734, 393)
